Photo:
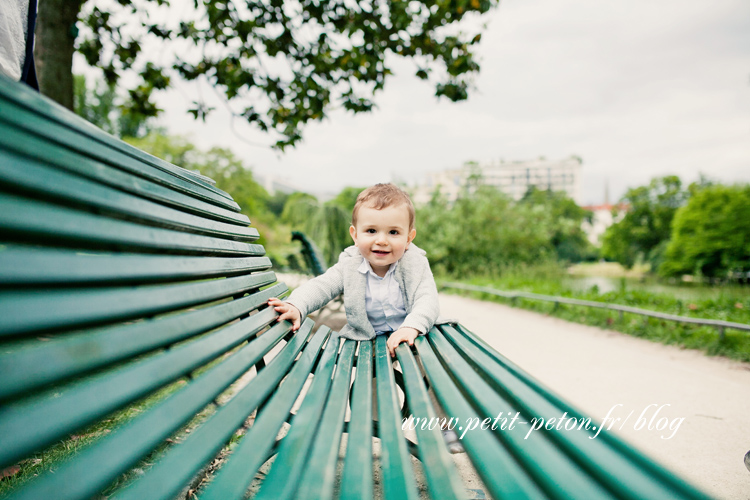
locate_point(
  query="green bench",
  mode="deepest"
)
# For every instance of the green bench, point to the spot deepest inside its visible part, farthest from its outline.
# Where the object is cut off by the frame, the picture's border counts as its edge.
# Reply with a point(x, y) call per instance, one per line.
point(132, 294)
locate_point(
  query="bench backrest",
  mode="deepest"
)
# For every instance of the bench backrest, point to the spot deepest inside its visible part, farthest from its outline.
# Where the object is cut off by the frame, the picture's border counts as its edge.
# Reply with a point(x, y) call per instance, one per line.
point(122, 278)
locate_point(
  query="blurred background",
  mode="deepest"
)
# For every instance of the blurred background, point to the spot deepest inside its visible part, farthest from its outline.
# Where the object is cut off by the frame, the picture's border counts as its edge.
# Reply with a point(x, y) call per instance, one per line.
point(571, 148)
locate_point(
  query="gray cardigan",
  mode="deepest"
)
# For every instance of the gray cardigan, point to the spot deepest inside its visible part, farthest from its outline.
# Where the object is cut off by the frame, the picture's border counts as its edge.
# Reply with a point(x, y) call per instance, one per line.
point(413, 275)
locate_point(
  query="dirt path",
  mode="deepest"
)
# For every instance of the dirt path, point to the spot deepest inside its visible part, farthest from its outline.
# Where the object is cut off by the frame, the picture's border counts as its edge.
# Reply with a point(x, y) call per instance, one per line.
point(597, 369)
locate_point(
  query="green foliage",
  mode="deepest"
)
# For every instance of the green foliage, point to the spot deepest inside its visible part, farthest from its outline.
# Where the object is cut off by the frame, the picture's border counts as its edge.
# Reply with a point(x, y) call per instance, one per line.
point(484, 231)
point(642, 233)
point(566, 219)
point(731, 304)
point(101, 106)
point(346, 198)
point(292, 61)
point(711, 234)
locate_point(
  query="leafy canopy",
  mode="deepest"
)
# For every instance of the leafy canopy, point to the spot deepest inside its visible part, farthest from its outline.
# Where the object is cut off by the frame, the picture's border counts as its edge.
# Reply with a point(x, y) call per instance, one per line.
point(711, 234)
point(284, 63)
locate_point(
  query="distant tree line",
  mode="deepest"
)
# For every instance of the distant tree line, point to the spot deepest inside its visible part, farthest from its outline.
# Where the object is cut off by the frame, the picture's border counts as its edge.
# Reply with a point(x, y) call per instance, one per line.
point(702, 230)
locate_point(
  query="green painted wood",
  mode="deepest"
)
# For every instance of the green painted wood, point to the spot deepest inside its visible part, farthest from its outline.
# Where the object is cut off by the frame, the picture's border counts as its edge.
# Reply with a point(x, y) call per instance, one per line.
point(18, 143)
point(38, 363)
point(284, 477)
point(515, 470)
point(320, 473)
point(75, 308)
point(36, 221)
point(233, 479)
point(443, 480)
point(175, 469)
point(24, 174)
point(357, 478)
point(27, 265)
point(397, 472)
point(75, 133)
point(103, 462)
point(313, 257)
point(54, 414)
point(619, 472)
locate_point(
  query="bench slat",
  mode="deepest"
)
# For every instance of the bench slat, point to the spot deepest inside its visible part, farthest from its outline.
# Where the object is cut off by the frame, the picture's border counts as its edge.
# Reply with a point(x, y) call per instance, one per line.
point(320, 473)
point(283, 478)
point(71, 132)
point(175, 469)
point(54, 414)
point(442, 477)
point(356, 481)
point(560, 478)
point(40, 363)
point(15, 143)
point(103, 462)
point(74, 308)
point(23, 174)
point(234, 478)
point(35, 220)
point(398, 476)
point(497, 468)
point(618, 471)
point(25, 265)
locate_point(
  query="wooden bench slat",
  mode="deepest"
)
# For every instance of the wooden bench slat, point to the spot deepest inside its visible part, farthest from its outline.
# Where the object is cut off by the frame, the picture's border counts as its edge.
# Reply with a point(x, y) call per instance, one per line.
point(442, 477)
point(283, 478)
point(498, 469)
point(53, 414)
point(357, 478)
point(236, 475)
point(398, 476)
point(175, 469)
point(74, 308)
point(319, 475)
point(67, 189)
point(73, 133)
point(618, 471)
point(40, 363)
point(35, 221)
point(103, 462)
point(25, 265)
point(560, 478)
point(16, 144)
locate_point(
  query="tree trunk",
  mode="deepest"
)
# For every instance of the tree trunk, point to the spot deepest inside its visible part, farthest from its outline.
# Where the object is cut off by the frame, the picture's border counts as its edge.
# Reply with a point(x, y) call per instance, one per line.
point(53, 49)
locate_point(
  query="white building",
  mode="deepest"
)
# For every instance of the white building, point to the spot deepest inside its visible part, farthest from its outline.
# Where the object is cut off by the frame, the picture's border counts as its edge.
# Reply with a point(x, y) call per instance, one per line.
point(513, 178)
point(602, 219)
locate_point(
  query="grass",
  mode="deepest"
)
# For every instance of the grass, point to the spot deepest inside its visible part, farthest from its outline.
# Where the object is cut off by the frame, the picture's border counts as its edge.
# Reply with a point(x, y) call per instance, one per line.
point(729, 304)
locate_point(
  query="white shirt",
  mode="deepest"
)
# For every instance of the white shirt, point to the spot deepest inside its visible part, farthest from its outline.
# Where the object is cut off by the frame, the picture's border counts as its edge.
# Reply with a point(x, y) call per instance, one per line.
point(383, 300)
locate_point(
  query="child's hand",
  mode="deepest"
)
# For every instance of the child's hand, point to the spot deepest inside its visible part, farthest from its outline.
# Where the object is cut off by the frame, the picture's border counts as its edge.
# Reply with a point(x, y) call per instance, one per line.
point(288, 311)
point(401, 335)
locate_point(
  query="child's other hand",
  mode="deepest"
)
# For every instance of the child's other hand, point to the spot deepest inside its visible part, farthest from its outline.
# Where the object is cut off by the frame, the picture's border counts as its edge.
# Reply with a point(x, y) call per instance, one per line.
point(401, 335)
point(288, 311)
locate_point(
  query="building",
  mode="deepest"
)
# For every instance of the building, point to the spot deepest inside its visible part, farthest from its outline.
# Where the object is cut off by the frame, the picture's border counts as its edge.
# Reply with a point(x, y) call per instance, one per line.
point(603, 216)
point(513, 178)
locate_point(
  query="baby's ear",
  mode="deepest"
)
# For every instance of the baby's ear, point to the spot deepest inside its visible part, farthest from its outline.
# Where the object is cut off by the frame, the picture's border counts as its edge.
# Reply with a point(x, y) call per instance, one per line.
point(353, 233)
point(412, 234)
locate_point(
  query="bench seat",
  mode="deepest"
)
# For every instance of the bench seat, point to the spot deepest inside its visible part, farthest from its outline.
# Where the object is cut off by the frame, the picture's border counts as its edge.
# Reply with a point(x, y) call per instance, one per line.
point(135, 341)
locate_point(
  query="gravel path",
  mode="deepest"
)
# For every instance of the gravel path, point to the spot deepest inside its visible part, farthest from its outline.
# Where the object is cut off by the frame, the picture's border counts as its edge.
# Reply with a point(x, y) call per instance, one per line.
point(597, 369)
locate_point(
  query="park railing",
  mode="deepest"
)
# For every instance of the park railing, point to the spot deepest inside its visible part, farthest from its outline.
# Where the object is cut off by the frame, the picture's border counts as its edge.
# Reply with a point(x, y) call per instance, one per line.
point(720, 325)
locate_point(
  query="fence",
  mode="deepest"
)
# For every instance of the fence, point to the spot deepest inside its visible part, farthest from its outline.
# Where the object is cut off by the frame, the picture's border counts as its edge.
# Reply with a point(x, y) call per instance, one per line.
point(720, 325)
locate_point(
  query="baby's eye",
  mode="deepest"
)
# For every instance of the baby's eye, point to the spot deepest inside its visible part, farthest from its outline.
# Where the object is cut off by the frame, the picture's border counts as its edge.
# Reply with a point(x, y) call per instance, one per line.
point(370, 231)
point(394, 231)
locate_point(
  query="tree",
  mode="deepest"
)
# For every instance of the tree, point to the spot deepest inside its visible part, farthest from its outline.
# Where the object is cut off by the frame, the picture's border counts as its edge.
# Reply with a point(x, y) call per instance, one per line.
point(644, 231)
point(284, 63)
point(565, 219)
point(711, 234)
point(99, 105)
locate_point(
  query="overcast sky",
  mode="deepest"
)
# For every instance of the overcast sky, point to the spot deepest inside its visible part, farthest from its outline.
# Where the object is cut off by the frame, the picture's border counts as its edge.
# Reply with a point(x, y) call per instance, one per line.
point(637, 89)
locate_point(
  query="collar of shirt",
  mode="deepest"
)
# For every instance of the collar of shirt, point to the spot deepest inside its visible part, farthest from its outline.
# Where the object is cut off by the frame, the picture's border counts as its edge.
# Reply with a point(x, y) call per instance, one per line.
point(365, 268)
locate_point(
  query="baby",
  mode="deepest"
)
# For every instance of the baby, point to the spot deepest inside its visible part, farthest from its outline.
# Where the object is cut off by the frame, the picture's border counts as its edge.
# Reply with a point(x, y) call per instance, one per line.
point(386, 280)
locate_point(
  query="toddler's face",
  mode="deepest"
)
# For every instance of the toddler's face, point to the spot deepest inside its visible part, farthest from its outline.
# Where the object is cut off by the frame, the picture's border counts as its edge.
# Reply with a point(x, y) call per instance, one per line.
point(382, 236)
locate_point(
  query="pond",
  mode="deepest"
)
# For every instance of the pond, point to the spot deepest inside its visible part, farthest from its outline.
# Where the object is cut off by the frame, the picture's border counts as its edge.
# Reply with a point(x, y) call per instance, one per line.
point(685, 291)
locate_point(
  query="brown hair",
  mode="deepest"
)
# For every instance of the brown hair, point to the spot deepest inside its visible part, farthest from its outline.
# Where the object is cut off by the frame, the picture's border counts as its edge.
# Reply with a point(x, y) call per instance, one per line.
point(380, 196)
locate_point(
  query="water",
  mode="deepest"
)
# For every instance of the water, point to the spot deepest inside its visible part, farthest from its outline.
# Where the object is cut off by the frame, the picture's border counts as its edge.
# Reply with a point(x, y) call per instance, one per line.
point(684, 291)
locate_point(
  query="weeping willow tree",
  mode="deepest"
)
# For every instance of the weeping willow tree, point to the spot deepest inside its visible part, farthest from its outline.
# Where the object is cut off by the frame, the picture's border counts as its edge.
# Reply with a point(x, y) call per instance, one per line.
point(327, 224)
